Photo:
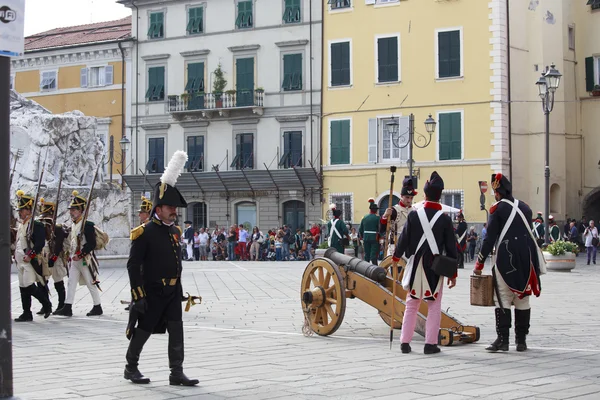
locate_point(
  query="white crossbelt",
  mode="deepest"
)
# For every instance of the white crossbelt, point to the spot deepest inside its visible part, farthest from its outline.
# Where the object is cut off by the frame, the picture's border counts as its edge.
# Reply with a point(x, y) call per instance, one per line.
point(369, 232)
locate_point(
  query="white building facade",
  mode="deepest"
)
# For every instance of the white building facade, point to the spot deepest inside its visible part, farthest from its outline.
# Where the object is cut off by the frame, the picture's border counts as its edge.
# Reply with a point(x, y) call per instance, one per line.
point(237, 85)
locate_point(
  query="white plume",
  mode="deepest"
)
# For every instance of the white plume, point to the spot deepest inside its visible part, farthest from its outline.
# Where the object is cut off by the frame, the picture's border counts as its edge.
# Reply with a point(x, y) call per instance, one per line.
point(173, 170)
point(332, 206)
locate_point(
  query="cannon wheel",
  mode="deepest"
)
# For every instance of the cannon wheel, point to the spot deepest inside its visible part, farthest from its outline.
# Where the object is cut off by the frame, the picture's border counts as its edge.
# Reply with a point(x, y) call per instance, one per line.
point(322, 275)
point(386, 263)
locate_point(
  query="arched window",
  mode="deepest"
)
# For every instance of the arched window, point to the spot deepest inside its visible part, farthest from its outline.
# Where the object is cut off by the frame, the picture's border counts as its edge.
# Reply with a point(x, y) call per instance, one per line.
point(555, 199)
point(383, 203)
point(293, 215)
point(245, 214)
point(198, 214)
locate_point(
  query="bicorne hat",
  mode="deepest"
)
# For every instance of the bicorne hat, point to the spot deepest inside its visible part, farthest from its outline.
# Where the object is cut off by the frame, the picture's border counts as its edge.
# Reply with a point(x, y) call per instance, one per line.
point(501, 184)
point(165, 192)
point(434, 187)
point(408, 188)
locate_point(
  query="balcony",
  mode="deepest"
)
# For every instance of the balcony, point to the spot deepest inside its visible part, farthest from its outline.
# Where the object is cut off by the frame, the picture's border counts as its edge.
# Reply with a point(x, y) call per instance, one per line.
point(210, 105)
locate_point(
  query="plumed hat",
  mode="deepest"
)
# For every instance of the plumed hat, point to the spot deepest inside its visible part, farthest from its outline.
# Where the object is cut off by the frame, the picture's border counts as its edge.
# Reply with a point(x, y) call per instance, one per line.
point(165, 192)
point(460, 214)
point(434, 187)
point(337, 213)
point(146, 205)
point(47, 207)
point(24, 200)
point(78, 201)
point(501, 184)
point(408, 188)
point(372, 204)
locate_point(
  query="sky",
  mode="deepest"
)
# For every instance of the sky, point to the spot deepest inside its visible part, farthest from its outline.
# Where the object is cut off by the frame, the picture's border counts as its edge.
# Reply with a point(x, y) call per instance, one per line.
point(43, 15)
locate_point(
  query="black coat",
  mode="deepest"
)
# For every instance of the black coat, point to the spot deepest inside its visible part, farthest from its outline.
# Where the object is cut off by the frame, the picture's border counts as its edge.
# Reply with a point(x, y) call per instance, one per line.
point(516, 255)
point(460, 229)
point(443, 231)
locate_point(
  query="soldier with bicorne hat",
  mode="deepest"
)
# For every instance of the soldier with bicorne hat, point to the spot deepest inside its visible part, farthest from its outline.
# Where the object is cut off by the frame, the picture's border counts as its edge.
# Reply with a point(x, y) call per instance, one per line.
point(369, 232)
point(398, 214)
point(155, 268)
point(83, 269)
point(28, 252)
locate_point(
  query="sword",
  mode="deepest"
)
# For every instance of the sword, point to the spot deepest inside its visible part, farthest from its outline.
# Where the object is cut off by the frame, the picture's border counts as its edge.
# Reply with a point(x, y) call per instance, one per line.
point(191, 301)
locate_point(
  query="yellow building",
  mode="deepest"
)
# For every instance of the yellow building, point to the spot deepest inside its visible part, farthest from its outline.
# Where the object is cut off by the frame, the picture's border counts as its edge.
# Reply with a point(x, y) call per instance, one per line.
point(387, 59)
point(81, 68)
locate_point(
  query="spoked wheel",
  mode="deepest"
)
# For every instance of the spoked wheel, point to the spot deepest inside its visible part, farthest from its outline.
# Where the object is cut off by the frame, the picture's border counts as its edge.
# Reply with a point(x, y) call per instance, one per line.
point(386, 264)
point(324, 294)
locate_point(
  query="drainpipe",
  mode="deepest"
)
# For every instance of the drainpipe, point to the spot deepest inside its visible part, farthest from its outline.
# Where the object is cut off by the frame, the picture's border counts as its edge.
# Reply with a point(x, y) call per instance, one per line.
point(510, 160)
point(123, 160)
point(137, 84)
point(321, 105)
point(310, 33)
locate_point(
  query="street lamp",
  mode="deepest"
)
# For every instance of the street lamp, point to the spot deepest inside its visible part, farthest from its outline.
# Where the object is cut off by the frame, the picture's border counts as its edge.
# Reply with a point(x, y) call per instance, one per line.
point(124, 143)
point(413, 139)
point(547, 85)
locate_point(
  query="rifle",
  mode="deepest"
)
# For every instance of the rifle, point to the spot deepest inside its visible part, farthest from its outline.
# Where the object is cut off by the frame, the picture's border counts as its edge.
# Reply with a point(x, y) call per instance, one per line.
point(34, 262)
point(93, 271)
point(12, 173)
point(52, 241)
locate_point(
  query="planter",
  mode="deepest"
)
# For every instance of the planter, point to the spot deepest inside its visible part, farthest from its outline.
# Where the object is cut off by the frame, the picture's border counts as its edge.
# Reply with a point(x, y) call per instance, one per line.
point(320, 252)
point(595, 93)
point(349, 252)
point(564, 263)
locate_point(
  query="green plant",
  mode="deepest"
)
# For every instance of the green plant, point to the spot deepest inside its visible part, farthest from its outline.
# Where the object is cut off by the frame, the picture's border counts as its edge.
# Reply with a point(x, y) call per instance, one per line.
point(260, 90)
point(220, 82)
point(323, 245)
point(185, 96)
point(231, 91)
point(561, 247)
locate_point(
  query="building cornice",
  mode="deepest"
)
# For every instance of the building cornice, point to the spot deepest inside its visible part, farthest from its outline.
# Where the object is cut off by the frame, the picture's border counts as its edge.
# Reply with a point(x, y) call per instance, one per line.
point(156, 127)
point(244, 121)
point(194, 124)
point(246, 47)
point(292, 43)
point(153, 57)
point(195, 53)
point(59, 57)
point(291, 118)
point(104, 121)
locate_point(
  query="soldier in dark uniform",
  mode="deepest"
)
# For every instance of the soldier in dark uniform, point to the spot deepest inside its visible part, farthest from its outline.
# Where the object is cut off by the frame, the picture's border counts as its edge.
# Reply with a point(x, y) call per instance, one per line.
point(154, 268)
point(368, 231)
point(516, 272)
point(554, 230)
point(461, 239)
point(539, 231)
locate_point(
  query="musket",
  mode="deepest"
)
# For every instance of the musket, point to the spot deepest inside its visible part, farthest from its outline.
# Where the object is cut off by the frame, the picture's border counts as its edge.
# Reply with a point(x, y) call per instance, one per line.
point(52, 241)
point(12, 173)
point(93, 272)
point(34, 262)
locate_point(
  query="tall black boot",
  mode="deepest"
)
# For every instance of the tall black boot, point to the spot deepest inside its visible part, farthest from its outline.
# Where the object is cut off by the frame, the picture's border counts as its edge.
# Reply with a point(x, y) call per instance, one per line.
point(136, 344)
point(502, 329)
point(177, 376)
point(65, 311)
point(60, 291)
point(26, 303)
point(96, 310)
point(41, 294)
point(43, 288)
point(522, 318)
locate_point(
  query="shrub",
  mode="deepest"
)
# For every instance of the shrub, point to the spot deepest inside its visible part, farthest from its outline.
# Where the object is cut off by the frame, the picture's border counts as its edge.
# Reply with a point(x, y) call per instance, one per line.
point(561, 247)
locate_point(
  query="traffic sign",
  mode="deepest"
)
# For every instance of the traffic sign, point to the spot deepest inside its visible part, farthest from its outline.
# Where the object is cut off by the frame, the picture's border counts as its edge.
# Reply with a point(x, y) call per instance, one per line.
point(483, 186)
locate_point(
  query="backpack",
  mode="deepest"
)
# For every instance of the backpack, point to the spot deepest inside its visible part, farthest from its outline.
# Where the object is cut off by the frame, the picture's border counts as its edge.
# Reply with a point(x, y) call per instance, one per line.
point(102, 239)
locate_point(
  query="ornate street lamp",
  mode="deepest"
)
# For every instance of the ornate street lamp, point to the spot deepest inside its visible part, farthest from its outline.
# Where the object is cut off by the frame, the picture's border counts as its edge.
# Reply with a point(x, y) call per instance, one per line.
point(124, 143)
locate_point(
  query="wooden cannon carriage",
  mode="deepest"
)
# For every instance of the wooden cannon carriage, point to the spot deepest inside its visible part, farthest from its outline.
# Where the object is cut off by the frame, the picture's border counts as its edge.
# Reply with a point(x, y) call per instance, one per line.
point(328, 281)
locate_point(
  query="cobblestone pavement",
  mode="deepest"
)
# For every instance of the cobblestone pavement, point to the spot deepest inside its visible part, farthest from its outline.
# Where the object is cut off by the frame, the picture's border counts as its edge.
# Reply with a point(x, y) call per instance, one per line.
point(245, 341)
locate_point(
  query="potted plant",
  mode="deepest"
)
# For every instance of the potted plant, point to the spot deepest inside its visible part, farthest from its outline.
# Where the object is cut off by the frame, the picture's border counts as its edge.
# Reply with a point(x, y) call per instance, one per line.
point(231, 96)
point(560, 255)
point(596, 90)
point(260, 90)
point(219, 85)
point(185, 97)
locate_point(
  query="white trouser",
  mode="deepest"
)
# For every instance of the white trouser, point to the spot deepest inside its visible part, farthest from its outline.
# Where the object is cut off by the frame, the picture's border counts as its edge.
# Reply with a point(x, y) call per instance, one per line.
point(190, 251)
point(27, 275)
point(59, 271)
point(507, 296)
point(78, 272)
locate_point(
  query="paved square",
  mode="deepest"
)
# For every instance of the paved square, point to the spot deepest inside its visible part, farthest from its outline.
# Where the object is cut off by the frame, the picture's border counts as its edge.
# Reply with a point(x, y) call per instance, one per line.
point(245, 341)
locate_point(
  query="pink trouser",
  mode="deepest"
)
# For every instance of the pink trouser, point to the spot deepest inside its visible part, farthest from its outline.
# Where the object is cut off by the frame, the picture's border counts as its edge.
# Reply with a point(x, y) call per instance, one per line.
point(434, 316)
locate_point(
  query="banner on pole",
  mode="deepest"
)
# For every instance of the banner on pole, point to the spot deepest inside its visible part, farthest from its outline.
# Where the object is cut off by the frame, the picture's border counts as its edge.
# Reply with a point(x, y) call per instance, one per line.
point(12, 28)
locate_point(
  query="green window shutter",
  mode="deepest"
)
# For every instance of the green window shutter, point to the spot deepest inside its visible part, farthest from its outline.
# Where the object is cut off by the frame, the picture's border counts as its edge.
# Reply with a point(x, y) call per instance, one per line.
point(449, 54)
point(450, 140)
point(292, 72)
point(444, 139)
point(292, 12)
point(244, 81)
point(345, 145)
point(589, 74)
point(340, 64)
point(156, 84)
point(387, 51)
point(244, 17)
point(195, 80)
point(340, 142)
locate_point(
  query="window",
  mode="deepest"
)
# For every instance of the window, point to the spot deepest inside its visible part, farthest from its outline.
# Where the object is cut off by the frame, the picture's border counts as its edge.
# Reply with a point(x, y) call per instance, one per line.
point(452, 198)
point(571, 37)
point(450, 136)
point(244, 150)
point(157, 25)
point(592, 73)
point(195, 21)
point(156, 155)
point(199, 215)
point(343, 202)
point(383, 203)
point(246, 214)
point(292, 72)
point(340, 64)
point(195, 86)
point(291, 13)
point(387, 59)
point(244, 82)
point(244, 15)
point(156, 84)
point(195, 150)
point(48, 81)
point(336, 4)
point(383, 146)
point(594, 3)
point(292, 150)
point(449, 54)
point(339, 142)
point(96, 76)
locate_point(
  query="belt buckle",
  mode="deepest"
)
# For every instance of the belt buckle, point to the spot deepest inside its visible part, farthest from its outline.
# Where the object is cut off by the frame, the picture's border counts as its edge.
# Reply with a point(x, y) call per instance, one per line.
point(173, 282)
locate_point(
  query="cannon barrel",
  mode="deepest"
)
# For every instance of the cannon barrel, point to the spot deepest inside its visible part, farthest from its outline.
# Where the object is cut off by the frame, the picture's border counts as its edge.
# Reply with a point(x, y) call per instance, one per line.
point(359, 266)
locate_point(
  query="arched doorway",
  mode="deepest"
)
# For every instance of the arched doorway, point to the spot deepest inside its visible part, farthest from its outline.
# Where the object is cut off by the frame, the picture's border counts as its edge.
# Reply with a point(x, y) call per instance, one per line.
point(383, 203)
point(555, 199)
point(197, 213)
point(591, 205)
point(293, 215)
point(245, 214)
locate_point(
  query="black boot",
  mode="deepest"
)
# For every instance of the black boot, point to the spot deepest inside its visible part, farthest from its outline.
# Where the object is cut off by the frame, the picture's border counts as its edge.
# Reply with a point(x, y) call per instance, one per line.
point(96, 310)
point(60, 291)
point(177, 376)
point(405, 348)
point(136, 344)
point(66, 311)
point(26, 303)
point(522, 318)
point(43, 289)
point(431, 349)
point(41, 294)
point(502, 329)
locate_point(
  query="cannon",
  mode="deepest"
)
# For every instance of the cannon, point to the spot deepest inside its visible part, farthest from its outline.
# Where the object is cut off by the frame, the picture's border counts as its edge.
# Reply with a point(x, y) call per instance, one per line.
point(329, 280)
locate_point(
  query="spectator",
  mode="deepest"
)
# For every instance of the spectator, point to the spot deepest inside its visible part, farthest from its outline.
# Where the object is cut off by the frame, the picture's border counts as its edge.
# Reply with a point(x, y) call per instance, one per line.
point(472, 240)
point(203, 236)
point(256, 239)
point(287, 237)
point(196, 246)
point(315, 232)
point(307, 245)
point(574, 234)
point(231, 243)
point(188, 235)
point(354, 240)
point(242, 240)
point(279, 246)
point(591, 242)
point(484, 231)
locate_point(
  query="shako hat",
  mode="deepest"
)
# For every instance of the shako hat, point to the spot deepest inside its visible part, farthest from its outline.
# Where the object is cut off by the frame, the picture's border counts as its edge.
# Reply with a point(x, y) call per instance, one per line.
point(373, 205)
point(165, 192)
point(146, 205)
point(501, 184)
point(460, 214)
point(24, 200)
point(434, 187)
point(78, 201)
point(408, 188)
point(47, 207)
point(336, 213)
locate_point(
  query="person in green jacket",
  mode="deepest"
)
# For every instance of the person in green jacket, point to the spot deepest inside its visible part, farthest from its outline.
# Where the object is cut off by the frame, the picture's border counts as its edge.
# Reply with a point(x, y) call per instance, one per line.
point(554, 229)
point(369, 226)
point(337, 230)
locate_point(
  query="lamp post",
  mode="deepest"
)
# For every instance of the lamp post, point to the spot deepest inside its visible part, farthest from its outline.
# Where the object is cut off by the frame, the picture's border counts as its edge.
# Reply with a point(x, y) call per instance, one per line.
point(547, 85)
point(124, 143)
point(413, 139)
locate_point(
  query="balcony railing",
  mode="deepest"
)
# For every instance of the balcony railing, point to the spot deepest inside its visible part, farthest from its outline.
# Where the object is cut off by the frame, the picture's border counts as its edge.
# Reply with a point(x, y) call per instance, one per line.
point(212, 101)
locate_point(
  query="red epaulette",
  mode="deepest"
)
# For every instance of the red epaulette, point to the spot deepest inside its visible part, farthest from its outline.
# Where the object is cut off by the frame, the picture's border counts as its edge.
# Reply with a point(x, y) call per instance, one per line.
point(494, 207)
